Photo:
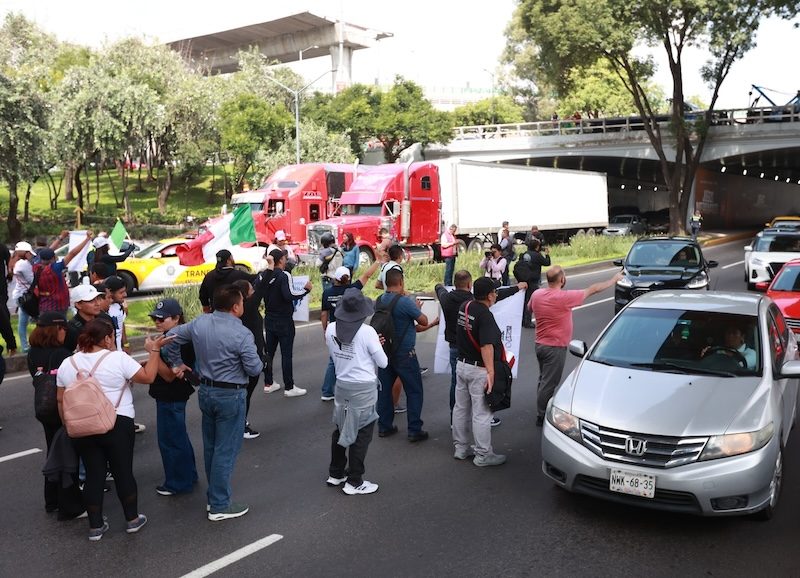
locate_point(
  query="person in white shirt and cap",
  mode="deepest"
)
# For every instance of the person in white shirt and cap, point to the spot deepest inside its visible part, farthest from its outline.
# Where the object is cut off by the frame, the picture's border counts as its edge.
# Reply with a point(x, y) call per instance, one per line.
point(280, 242)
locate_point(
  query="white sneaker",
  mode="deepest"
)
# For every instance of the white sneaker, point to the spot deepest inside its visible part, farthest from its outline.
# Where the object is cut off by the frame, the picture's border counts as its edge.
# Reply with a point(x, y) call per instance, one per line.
point(331, 481)
point(272, 388)
point(327, 398)
point(489, 460)
point(295, 392)
point(365, 488)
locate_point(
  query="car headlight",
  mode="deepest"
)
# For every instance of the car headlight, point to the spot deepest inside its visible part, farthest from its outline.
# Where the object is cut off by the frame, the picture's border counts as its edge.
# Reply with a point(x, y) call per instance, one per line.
point(625, 282)
point(698, 282)
point(728, 445)
point(564, 422)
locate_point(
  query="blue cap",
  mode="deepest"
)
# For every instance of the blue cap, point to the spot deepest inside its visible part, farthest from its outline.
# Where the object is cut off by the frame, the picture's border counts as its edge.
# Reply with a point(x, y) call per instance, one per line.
point(167, 308)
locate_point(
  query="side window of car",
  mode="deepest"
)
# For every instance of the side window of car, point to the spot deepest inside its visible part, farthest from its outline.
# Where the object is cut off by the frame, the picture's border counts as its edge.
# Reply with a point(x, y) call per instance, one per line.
point(169, 251)
point(778, 336)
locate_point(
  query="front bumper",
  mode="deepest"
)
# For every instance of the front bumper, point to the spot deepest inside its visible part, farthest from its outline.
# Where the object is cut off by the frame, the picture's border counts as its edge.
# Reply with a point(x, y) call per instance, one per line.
point(694, 488)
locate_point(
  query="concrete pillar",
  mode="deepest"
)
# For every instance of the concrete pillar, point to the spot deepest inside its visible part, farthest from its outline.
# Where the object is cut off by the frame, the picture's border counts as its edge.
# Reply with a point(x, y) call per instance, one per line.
point(342, 66)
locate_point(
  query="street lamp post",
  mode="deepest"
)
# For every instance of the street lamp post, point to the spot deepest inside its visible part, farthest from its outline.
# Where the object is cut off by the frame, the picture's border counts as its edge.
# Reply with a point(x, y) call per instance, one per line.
point(300, 52)
point(296, 95)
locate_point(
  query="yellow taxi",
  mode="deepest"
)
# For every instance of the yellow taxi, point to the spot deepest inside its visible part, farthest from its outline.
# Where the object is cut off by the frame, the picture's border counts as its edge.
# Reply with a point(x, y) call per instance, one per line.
point(156, 267)
point(784, 220)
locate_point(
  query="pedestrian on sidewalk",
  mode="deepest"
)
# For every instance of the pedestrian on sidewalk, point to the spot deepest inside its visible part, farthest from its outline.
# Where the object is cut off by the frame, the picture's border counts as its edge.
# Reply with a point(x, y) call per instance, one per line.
point(357, 352)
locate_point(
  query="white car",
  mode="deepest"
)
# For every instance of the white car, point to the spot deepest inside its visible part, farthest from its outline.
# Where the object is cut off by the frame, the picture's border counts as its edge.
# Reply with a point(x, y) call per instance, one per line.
point(768, 252)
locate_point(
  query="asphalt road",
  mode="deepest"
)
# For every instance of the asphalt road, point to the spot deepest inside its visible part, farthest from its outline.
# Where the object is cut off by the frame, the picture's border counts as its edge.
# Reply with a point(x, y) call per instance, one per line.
point(433, 515)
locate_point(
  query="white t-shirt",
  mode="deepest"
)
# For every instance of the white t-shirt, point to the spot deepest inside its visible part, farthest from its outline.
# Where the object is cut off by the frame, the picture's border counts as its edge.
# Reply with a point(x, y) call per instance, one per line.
point(388, 267)
point(118, 314)
point(112, 375)
point(23, 277)
point(355, 362)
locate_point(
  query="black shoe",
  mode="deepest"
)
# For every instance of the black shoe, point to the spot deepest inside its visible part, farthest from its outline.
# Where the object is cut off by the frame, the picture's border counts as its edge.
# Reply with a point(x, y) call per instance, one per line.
point(539, 420)
point(496, 421)
point(423, 370)
point(388, 432)
point(419, 436)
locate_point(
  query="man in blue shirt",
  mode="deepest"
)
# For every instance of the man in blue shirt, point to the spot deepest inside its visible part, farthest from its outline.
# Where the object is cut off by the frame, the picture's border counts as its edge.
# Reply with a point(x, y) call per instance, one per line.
point(408, 319)
point(226, 356)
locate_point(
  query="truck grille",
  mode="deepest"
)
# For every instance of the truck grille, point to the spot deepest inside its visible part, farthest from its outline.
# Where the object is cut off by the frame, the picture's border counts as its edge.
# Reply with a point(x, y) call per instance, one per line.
point(660, 452)
point(314, 235)
point(794, 324)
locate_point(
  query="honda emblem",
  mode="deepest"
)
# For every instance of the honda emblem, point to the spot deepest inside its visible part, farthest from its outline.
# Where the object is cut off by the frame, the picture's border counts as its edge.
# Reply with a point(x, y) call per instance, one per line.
point(635, 447)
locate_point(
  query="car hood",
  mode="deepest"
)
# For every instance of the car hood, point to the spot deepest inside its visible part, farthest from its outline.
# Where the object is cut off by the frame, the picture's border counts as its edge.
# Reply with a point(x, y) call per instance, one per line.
point(788, 302)
point(668, 404)
point(675, 276)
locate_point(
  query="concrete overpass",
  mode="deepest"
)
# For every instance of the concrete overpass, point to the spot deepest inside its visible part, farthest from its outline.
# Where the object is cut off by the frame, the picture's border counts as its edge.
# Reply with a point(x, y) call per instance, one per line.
point(750, 167)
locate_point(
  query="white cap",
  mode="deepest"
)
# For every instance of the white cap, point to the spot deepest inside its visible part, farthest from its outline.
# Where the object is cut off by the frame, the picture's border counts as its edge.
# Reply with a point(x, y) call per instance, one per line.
point(341, 273)
point(99, 242)
point(23, 246)
point(84, 293)
point(280, 235)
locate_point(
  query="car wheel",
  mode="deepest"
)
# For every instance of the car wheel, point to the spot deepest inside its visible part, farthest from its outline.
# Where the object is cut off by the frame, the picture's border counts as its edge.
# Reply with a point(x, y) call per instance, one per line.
point(475, 245)
point(130, 282)
point(751, 286)
point(775, 487)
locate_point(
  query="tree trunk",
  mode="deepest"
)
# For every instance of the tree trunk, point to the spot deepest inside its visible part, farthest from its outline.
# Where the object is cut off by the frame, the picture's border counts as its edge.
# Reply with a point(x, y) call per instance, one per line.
point(14, 226)
point(97, 184)
point(79, 186)
point(163, 193)
point(139, 186)
point(69, 176)
point(117, 204)
point(26, 213)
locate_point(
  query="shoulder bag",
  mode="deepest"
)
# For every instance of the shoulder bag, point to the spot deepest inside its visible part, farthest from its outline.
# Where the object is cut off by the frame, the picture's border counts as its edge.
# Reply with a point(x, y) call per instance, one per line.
point(29, 301)
point(500, 396)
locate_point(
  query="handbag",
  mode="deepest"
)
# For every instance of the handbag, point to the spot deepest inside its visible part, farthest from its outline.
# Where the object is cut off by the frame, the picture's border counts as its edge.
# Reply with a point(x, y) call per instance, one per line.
point(45, 401)
point(500, 396)
point(29, 301)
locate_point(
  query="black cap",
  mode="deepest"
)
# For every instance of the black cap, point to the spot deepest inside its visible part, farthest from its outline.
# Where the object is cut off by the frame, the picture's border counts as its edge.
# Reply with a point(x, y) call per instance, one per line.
point(47, 254)
point(114, 283)
point(167, 308)
point(222, 256)
point(482, 287)
point(277, 254)
point(51, 319)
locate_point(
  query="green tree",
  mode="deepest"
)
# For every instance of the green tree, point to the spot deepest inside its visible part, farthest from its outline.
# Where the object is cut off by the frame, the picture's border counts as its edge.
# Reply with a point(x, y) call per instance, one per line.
point(497, 110)
point(566, 40)
point(351, 112)
point(249, 124)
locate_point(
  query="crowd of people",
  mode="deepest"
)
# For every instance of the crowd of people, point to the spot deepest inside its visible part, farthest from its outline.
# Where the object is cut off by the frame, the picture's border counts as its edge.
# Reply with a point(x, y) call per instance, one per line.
point(222, 353)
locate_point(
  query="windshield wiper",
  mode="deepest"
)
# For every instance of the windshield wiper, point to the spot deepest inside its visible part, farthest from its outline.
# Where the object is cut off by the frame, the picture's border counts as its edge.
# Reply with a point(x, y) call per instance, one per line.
point(663, 365)
point(601, 361)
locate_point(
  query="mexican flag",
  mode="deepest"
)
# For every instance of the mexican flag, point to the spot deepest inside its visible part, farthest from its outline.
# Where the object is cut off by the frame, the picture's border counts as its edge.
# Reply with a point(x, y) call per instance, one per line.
point(117, 236)
point(224, 233)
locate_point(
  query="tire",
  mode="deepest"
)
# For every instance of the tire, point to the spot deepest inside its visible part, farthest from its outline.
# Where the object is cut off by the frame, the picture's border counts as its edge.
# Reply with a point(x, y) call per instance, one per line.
point(130, 281)
point(365, 257)
point(475, 245)
point(775, 489)
point(462, 246)
point(751, 286)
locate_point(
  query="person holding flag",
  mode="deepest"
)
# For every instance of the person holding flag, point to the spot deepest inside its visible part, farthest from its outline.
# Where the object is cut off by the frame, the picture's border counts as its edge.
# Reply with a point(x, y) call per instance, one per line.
point(223, 233)
point(102, 245)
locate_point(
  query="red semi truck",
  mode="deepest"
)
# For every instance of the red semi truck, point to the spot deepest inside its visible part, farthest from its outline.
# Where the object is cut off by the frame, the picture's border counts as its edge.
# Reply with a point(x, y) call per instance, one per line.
point(405, 199)
point(295, 196)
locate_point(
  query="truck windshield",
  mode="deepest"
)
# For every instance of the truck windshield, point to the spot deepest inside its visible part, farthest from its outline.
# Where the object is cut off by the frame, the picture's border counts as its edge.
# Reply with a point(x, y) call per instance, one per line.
point(253, 206)
point(281, 185)
point(374, 210)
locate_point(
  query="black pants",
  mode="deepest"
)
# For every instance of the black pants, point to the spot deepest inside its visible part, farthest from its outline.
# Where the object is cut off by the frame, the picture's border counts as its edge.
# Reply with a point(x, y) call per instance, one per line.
point(67, 501)
point(114, 448)
point(533, 285)
point(279, 330)
point(5, 322)
point(357, 452)
point(252, 381)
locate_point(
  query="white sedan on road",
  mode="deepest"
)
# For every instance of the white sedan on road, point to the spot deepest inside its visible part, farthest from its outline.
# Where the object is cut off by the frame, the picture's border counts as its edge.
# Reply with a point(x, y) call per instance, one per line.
point(768, 252)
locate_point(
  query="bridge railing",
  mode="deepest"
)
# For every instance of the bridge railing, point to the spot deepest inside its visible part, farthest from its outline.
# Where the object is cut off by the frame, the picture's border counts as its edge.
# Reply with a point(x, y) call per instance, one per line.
point(565, 127)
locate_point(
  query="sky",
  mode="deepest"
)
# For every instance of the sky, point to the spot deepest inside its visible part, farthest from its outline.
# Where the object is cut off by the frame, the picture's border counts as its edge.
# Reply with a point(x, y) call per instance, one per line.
point(440, 44)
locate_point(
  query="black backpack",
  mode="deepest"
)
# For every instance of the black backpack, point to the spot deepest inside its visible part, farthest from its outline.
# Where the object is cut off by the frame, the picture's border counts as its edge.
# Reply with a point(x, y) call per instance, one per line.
point(522, 268)
point(383, 323)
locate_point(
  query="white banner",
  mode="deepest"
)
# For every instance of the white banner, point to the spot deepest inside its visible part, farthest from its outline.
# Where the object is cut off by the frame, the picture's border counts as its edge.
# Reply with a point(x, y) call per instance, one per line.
point(78, 262)
point(300, 305)
point(508, 316)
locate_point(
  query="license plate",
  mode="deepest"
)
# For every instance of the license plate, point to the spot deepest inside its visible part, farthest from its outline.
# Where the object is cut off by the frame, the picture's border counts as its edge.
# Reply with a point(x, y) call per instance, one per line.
point(633, 483)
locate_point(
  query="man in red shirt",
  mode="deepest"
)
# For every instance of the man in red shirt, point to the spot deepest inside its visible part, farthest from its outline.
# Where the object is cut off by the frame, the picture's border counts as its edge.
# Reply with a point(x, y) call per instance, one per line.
point(552, 309)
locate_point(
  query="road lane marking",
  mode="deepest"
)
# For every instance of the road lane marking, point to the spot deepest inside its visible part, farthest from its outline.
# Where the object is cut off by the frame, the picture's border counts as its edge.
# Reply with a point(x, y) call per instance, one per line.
point(606, 300)
point(732, 265)
point(221, 563)
point(10, 457)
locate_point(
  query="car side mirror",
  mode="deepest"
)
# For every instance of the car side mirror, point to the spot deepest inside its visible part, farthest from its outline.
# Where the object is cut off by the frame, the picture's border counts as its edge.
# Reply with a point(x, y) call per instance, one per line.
point(748, 247)
point(617, 262)
point(578, 348)
point(712, 264)
point(790, 369)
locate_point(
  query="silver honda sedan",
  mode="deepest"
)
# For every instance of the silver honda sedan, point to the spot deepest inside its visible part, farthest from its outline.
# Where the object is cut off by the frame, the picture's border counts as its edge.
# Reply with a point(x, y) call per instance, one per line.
point(684, 403)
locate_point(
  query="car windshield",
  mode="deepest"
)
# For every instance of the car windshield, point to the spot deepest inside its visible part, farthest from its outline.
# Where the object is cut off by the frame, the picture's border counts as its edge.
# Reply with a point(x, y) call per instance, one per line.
point(788, 279)
point(778, 244)
point(621, 220)
point(666, 254)
point(150, 249)
point(680, 341)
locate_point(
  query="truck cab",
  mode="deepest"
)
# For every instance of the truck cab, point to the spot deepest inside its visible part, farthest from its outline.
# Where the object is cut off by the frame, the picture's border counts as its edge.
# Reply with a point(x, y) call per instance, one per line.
point(405, 199)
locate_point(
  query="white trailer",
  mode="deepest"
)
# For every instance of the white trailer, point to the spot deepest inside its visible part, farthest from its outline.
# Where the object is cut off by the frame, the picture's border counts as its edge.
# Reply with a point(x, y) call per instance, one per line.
point(479, 196)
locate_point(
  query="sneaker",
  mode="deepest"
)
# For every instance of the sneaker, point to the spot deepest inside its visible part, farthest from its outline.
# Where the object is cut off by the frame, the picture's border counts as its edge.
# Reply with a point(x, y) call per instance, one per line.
point(419, 436)
point(250, 433)
point(109, 477)
point(388, 432)
point(272, 388)
point(137, 524)
point(232, 511)
point(333, 482)
point(162, 491)
point(294, 392)
point(463, 454)
point(423, 370)
point(489, 460)
point(365, 488)
point(496, 421)
point(96, 534)
point(139, 427)
point(400, 409)
point(327, 398)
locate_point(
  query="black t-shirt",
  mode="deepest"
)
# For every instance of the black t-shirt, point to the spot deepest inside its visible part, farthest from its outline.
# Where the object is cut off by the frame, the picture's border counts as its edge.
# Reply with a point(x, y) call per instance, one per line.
point(484, 331)
point(332, 295)
point(47, 358)
point(451, 302)
point(5, 257)
point(178, 389)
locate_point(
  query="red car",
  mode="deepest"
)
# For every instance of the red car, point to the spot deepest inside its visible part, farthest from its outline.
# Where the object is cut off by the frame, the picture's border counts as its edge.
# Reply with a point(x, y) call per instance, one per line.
point(785, 291)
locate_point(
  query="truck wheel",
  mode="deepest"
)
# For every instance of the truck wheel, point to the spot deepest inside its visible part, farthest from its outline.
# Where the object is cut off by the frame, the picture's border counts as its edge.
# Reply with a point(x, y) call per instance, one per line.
point(130, 282)
point(475, 245)
point(461, 246)
point(365, 257)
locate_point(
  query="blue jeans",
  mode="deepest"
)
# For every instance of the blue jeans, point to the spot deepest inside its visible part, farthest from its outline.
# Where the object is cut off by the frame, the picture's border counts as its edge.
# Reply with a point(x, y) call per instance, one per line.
point(405, 366)
point(223, 430)
point(453, 361)
point(22, 328)
point(449, 268)
point(279, 331)
point(177, 453)
point(329, 384)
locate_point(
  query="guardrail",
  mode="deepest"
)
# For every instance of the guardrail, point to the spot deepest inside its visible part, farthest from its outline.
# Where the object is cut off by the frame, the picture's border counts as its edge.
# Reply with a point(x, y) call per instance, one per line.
point(566, 127)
